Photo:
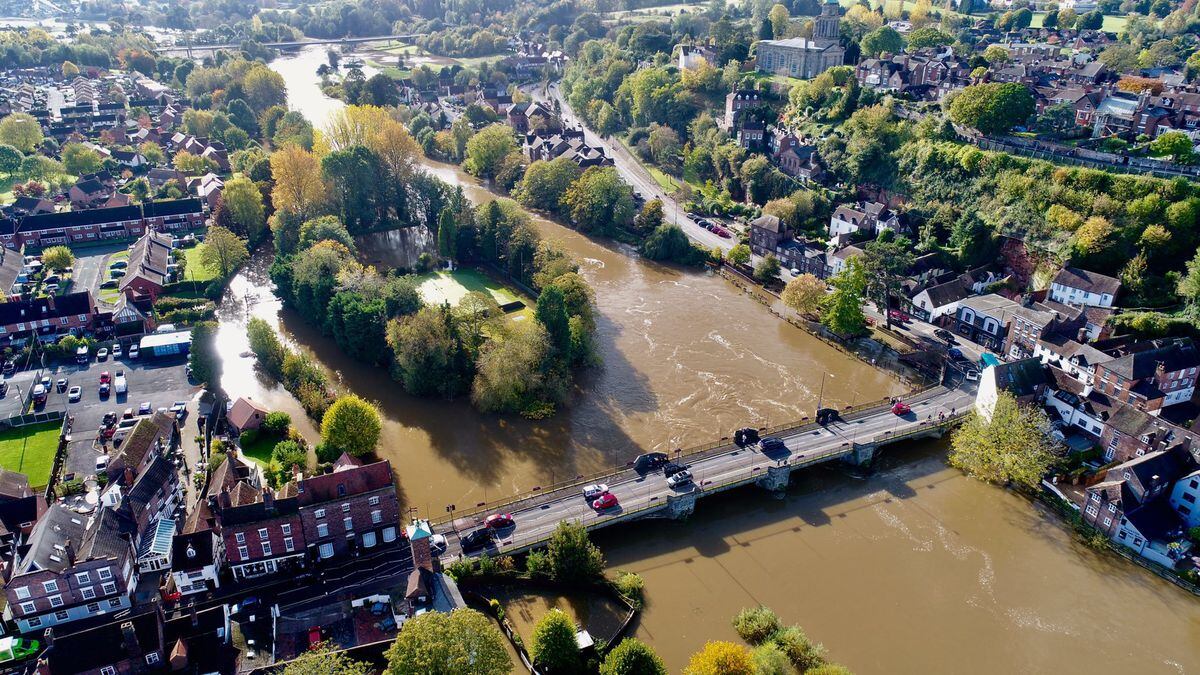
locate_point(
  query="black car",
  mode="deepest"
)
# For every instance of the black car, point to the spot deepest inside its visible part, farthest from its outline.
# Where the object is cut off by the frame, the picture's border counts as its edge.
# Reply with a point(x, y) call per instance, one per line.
point(477, 539)
point(826, 416)
point(945, 335)
point(671, 468)
point(649, 461)
point(772, 445)
point(744, 437)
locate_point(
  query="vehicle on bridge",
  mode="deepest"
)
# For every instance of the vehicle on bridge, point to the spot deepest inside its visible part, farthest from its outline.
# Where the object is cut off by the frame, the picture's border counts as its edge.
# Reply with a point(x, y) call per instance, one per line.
point(498, 521)
point(772, 445)
point(606, 501)
point(477, 539)
point(679, 479)
point(592, 491)
point(649, 461)
point(901, 408)
point(746, 436)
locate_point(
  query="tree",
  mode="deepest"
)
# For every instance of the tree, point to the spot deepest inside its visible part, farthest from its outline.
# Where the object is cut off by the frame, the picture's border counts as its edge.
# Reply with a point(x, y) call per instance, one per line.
point(264, 88)
point(325, 228)
point(804, 294)
point(739, 255)
point(632, 657)
point(58, 258)
point(720, 658)
point(1189, 285)
point(669, 243)
point(996, 55)
point(769, 659)
point(1010, 443)
point(551, 311)
point(193, 165)
point(768, 270)
point(21, 131)
point(10, 160)
point(1092, 20)
point(266, 346)
point(922, 38)
point(554, 648)
point(804, 654)
point(650, 217)
point(447, 234)
point(245, 203)
point(545, 183)
point(779, 18)
point(203, 356)
point(573, 556)
point(462, 642)
point(886, 261)
point(1093, 236)
point(843, 313)
point(79, 159)
point(1176, 145)
point(992, 107)
point(69, 70)
point(599, 200)
point(223, 250)
point(298, 187)
point(756, 624)
point(351, 425)
point(882, 39)
point(487, 149)
point(324, 659)
point(522, 373)
point(429, 353)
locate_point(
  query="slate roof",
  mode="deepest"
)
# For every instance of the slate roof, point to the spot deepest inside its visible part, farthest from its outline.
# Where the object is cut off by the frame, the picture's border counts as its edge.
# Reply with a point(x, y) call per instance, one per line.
point(947, 293)
point(47, 543)
point(1021, 378)
point(51, 221)
point(50, 307)
point(200, 546)
point(141, 439)
point(1174, 356)
point(1084, 280)
point(14, 485)
point(105, 645)
point(769, 223)
point(172, 207)
point(352, 477)
point(148, 260)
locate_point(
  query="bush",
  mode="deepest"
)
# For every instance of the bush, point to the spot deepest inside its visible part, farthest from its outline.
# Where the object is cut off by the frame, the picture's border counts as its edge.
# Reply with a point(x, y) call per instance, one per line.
point(463, 568)
point(538, 564)
point(631, 586)
point(802, 652)
point(277, 423)
point(756, 624)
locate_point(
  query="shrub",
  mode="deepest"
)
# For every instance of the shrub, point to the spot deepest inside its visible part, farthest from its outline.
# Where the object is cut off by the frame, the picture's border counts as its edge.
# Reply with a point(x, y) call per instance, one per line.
point(537, 563)
point(756, 624)
point(802, 652)
point(631, 586)
point(277, 423)
point(463, 568)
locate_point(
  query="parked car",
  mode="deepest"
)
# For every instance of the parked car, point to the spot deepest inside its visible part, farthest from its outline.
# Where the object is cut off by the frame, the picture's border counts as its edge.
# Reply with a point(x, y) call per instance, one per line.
point(75, 394)
point(110, 418)
point(45, 382)
point(606, 501)
point(901, 408)
point(128, 414)
point(102, 354)
point(145, 408)
point(178, 407)
point(61, 385)
point(499, 520)
point(437, 543)
point(955, 353)
point(722, 233)
point(120, 384)
point(105, 378)
point(102, 464)
point(9, 368)
point(593, 491)
point(111, 283)
point(945, 335)
point(679, 479)
point(133, 351)
point(39, 393)
point(476, 540)
point(3, 389)
point(105, 389)
point(118, 264)
point(772, 445)
point(116, 350)
point(649, 461)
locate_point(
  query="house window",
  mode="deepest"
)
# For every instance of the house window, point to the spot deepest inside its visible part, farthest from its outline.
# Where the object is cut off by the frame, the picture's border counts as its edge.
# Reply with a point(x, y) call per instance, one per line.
point(389, 534)
point(288, 545)
point(373, 501)
point(108, 670)
point(1189, 498)
point(240, 537)
point(322, 529)
point(105, 573)
point(1137, 541)
point(114, 603)
point(83, 578)
point(109, 588)
point(243, 553)
point(1107, 522)
point(93, 607)
point(50, 586)
point(1093, 511)
point(28, 608)
point(56, 601)
point(345, 508)
point(348, 524)
point(326, 550)
point(152, 658)
point(377, 517)
point(61, 615)
point(286, 528)
point(23, 592)
point(266, 547)
point(262, 533)
point(1095, 496)
point(87, 592)
point(368, 539)
point(1112, 508)
point(320, 513)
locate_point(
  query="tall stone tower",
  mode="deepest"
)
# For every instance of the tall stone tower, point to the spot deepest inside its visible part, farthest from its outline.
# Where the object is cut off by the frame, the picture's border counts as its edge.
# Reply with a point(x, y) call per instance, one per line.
point(826, 29)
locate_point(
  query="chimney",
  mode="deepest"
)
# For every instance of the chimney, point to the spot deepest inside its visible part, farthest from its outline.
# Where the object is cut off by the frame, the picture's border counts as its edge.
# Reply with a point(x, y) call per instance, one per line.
point(1081, 336)
point(418, 540)
point(268, 497)
point(129, 476)
point(129, 641)
point(70, 549)
point(223, 498)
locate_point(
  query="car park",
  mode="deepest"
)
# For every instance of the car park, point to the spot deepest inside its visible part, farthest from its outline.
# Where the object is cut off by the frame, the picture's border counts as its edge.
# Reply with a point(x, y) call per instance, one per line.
point(593, 491)
point(649, 461)
point(476, 540)
point(499, 520)
point(679, 479)
point(606, 501)
point(75, 394)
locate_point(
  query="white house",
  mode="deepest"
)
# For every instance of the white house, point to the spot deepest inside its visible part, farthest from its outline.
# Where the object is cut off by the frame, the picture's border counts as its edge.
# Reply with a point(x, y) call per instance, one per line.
point(1074, 286)
point(941, 300)
point(837, 259)
point(1184, 496)
point(197, 561)
point(1024, 379)
point(873, 216)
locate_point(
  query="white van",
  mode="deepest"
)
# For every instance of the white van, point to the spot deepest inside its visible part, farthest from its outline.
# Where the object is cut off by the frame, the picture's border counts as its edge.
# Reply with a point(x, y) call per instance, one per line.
point(119, 384)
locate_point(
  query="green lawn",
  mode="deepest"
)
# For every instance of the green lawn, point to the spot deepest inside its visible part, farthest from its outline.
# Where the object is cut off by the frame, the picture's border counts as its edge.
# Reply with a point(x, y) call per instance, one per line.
point(1112, 24)
point(443, 286)
point(30, 450)
point(195, 269)
point(260, 449)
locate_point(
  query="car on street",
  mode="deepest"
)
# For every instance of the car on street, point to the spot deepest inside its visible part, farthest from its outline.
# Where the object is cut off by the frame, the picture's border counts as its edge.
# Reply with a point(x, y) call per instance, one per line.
point(102, 354)
point(133, 351)
point(901, 408)
point(61, 385)
point(498, 521)
point(102, 464)
point(111, 283)
point(105, 389)
point(771, 444)
point(476, 540)
point(593, 491)
point(105, 378)
point(116, 350)
point(945, 335)
point(45, 382)
point(606, 501)
point(39, 393)
point(897, 316)
point(679, 479)
point(145, 408)
point(9, 368)
point(3, 389)
point(437, 543)
point(649, 461)
point(671, 468)
point(955, 353)
point(75, 394)
point(722, 232)
point(178, 408)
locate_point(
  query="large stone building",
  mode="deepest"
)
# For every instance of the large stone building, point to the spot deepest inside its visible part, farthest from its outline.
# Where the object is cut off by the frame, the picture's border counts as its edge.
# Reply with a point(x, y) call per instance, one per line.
point(805, 57)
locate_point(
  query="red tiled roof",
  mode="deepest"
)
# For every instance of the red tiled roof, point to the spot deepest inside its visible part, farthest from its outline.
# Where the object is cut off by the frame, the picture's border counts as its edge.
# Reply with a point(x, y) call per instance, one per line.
point(354, 479)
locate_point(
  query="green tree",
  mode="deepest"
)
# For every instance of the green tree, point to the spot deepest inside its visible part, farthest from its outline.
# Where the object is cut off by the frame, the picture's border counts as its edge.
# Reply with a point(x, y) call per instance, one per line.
point(521, 373)
point(264, 88)
point(1093, 20)
point(245, 203)
point(462, 642)
point(804, 293)
point(650, 217)
point(882, 39)
point(69, 70)
point(430, 358)
point(632, 657)
point(720, 658)
point(886, 262)
point(769, 659)
point(573, 556)
point(599, 200)
point(554, 648)
point(768, 270)
point(266, 346)
point(739, 255)
point(551, 311)
point(992, 107)
point(58, 258)
point(843, 312)
point(223, 250)
point(21, 131)
point(1189, 285)
point(1176, 145)
point(669, 243)
point(1009, 444)
point(447, 235)
point(996, 55)
point(487, 149)
point(203, 356)
point(780, 19)
point(351, 175)
point(10, 160)
point(928, 36)
point(352, 425)
point(324, 659)
point(756, 624)
point(804, 654)
point(545, 183)
point(325, 228)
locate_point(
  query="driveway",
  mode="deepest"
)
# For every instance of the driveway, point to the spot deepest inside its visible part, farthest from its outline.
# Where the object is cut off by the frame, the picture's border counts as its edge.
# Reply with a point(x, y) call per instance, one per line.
point(90, 269)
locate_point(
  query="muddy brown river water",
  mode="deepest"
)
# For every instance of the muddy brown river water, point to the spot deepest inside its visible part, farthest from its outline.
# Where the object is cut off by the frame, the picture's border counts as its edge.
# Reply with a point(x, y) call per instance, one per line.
point(914, 569)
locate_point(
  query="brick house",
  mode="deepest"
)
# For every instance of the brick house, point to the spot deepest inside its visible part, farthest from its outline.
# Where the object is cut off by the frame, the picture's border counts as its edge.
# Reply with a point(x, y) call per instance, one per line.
point(1151, 375)
point(47, 318)
point(353, 507)
point(1131, 504)
point(173, 214)
point(75, 227)
point(261, 532)
point(149, 267)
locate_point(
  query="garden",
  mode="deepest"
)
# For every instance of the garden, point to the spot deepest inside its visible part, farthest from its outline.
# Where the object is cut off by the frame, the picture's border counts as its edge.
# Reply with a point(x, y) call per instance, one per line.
point(30, 450)
point(452, 286)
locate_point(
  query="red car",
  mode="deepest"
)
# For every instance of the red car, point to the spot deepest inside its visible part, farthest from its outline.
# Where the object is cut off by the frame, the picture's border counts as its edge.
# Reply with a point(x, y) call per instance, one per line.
point(606, 501)
point(897, 316)
point(901, 408)
point(499, 520)
point(105, 378)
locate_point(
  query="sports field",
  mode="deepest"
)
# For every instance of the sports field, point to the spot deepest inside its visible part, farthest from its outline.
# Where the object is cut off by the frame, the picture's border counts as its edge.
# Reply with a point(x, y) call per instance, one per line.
point(442, 286)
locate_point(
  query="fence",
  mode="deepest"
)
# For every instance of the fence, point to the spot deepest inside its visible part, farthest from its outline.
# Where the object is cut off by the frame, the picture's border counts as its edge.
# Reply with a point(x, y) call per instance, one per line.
point(1055, 152)
point(31, 418)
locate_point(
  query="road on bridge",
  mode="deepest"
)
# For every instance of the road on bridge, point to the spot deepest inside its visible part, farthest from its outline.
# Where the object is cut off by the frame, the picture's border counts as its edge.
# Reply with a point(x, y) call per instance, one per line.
point(537, 517)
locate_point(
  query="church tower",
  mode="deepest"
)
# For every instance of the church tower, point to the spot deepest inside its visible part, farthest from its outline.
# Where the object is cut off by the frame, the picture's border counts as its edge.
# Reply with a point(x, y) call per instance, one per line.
point(826, 29)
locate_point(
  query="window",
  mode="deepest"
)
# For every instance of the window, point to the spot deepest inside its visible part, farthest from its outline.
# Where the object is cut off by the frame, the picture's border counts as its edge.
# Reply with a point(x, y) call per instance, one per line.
point(61, 615)
point(114, 603)
point(266, 547)
point(105, 573)
point(28, 608)
point(288, 545)
point(243, 553)
point(1107, 522)
point(50, 586)
point(109, 588)
point(368, 539)
point(22, 592)
point(240, 537)
point(1189, 498)
point(322, 529)
point(326, 550)
point(389, 534)
point(377, 516)
point(374, 501)
point(345, 508)
point(262, 533)
point(108, 670)
point(87, 592)
point(348, 524)
point(1093, 511)
point(93, 607)
point(320, 513)
point(152, 658)
point(1112, 508)
point(83, 578)
point(287, 529)
point(56, 601)
point(1095, 496)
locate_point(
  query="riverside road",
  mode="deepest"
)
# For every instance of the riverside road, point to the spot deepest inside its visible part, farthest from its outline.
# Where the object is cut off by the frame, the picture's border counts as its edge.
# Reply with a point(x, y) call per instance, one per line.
point(726, 467)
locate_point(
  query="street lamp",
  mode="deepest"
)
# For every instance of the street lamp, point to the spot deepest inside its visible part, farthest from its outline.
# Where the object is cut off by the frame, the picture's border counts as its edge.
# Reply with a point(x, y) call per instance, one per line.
point(453, 524)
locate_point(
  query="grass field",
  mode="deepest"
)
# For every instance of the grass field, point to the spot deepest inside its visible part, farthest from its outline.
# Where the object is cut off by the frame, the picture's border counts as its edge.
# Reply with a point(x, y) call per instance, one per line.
point(260, 449)
point(30, 450)
point(443, 286)
point(195, 269)
point(1112, 24)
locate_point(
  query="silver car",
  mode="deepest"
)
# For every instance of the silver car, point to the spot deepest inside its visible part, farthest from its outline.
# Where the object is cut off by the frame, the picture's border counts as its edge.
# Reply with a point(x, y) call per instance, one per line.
point(592, 491)
point(679, 479)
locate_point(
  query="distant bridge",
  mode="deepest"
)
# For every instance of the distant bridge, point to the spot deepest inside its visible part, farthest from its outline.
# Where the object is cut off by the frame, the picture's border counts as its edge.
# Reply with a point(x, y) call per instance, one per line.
point(294, 44)
point(716, 467)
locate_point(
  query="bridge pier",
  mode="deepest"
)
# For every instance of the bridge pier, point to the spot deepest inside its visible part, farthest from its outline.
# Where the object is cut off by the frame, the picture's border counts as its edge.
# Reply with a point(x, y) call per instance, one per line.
point(862, 455)
point(775, 480)
point(680, 506)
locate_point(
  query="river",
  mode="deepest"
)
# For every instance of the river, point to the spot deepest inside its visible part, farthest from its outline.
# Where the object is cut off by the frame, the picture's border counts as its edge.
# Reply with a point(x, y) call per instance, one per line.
point(915, 569)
